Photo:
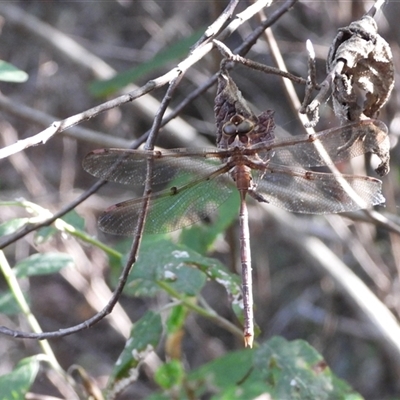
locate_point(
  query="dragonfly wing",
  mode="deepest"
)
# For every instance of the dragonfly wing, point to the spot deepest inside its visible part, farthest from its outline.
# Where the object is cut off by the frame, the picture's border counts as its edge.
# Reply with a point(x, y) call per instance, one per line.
point(302, 191)
point(330, 146)
point(169, 210)
point(130, 166)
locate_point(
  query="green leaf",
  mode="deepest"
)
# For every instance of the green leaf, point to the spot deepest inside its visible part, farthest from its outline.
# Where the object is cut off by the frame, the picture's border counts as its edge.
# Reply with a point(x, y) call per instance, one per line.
point(11, 226)
point(42, 264)
point(231, 282)
point(160, 260)
point(9, 73)
point(145, 336)
point(16, 384)
point(281, 369)
point(170, 374)
point(201, 237)
point(226, 376)
point(296, 370)
point(119, 81)
point(181, 269)
point(8, 304)
point(74, 219)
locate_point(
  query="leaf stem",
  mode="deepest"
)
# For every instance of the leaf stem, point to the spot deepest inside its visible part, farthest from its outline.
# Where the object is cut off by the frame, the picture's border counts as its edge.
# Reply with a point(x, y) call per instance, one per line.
point(206, 313)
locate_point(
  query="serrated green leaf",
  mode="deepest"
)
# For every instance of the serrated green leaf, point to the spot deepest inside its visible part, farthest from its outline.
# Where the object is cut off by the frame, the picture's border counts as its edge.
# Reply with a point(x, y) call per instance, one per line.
point(15, 385)
point(42, 264)
point(174, 52)
point(8, 304)
point(145, 336)
point(170, 374)
point(9, 73)
point(11, 226)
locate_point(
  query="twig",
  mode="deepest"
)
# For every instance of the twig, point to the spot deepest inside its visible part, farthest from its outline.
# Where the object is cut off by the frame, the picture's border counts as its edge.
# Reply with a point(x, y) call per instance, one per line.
point(229, 57)
point(310, 87)
point(266, 23)
point(38, 117)
point(377, 6)
point(217, 25)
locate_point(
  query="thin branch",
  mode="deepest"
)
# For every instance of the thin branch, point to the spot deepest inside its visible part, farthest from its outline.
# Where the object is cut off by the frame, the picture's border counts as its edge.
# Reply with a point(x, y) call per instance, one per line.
point(38, 117)
point(227, 53)
point(249, 42)
point(217, 25)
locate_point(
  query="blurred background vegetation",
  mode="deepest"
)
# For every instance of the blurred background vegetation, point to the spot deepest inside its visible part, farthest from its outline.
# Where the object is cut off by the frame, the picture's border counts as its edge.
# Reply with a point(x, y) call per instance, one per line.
point(294, 296)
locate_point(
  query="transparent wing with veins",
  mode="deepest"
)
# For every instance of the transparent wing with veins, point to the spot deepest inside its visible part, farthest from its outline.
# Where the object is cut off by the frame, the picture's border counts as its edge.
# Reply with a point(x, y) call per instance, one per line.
point(205, 184)
point(340, 144)
point(302, 191)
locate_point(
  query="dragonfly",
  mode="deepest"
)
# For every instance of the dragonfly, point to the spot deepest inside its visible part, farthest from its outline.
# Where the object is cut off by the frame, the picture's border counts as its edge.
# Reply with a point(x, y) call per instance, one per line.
point(249, 159)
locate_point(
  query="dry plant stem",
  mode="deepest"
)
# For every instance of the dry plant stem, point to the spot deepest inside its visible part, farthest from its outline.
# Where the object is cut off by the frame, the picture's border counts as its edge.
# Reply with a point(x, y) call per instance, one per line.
point(313, 107)
point(379, 220)
point(230, 57)
point(378, 272)
point(251, 39)
point(217, 25)
point(38, 117)
point(288, 85)
point(377, 6)
point(296, 104)
point(60, 126)
point(311, 85)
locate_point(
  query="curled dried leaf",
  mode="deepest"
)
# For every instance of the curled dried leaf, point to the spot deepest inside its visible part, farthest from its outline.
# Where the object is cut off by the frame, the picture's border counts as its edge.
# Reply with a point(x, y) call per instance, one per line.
point(361, 64)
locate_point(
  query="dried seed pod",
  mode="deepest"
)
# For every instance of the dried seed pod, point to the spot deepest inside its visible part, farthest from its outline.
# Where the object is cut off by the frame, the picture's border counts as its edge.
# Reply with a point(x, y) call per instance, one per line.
point(234, 118)
point(361, 63)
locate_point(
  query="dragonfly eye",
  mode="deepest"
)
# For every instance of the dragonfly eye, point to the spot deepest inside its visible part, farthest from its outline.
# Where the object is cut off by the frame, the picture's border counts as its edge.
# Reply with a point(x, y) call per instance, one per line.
point(245, 127)
point(230, 129)
point(237, 126)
